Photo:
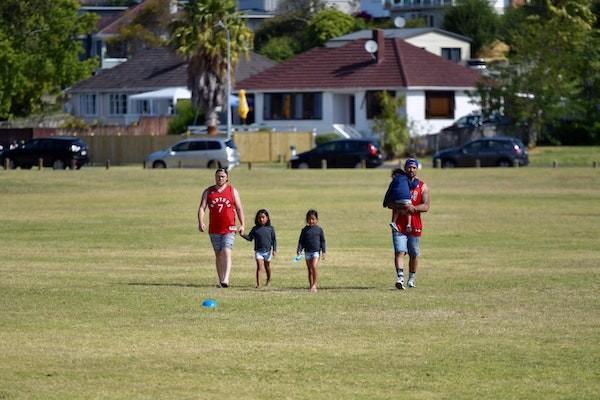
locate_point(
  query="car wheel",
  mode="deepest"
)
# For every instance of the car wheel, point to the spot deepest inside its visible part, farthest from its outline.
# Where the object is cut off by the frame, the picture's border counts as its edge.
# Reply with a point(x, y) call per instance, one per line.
point(58, 164)
point(504, 163)
point(303, 165)
point(448, 164)
point(214, 164)
point(159, 164)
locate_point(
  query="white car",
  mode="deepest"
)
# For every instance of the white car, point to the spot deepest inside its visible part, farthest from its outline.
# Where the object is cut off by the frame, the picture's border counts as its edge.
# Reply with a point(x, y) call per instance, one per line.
point(206, 152)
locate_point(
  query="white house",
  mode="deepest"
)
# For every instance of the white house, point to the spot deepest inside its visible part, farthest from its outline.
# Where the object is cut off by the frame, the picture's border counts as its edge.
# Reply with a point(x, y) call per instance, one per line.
point(432, 11)
point(449, 45)
point(150, 84)
point(329, 86)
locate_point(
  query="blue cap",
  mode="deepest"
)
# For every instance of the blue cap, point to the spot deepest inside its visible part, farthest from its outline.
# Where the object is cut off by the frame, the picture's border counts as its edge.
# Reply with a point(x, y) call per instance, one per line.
point(209, 303)
point(411, 162)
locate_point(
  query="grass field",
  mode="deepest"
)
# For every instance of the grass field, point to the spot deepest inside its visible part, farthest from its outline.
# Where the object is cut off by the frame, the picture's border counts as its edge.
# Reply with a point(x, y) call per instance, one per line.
point(565, 156)
point(103, 272)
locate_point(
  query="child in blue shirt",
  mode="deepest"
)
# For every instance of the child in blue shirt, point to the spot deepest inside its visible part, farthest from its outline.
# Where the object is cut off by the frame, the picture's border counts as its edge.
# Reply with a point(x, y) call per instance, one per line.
point(397, 197)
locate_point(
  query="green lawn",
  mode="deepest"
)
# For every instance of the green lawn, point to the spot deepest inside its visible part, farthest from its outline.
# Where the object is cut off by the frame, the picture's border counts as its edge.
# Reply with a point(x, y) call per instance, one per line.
point(565, 156)
point(103, 273)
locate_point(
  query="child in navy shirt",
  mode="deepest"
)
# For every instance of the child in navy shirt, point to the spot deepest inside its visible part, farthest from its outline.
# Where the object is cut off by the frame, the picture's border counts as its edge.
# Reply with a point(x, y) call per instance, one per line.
point(397, 197)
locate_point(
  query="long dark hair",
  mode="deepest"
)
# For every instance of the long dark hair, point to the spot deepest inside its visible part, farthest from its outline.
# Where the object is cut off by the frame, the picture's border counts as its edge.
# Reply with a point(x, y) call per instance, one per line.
point(312, 213)
point(262, 211)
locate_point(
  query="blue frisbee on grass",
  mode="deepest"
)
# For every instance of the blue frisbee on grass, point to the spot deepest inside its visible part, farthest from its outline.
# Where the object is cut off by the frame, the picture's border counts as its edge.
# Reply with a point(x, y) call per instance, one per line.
point(209, 303)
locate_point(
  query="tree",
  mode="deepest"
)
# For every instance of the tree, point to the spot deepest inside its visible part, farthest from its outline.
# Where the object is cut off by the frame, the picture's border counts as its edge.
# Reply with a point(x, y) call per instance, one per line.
point(475, 19)
point(391, 125)
point(330, 23)
point(39, 52)
point(280, 48)
point(553, 71)
point(300, 8)
point(201, 37)
point(279, 36)
point(289, 34)
point(149, 28)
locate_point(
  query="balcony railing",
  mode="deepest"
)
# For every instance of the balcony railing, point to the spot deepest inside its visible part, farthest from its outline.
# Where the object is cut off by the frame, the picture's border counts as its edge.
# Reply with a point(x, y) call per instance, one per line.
point(404, 4)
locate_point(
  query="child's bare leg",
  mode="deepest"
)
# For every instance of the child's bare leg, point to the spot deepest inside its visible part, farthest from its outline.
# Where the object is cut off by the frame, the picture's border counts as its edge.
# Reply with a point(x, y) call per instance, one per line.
point(312, 273)
point(259, 267)
point(395, 215)
point(268, 271)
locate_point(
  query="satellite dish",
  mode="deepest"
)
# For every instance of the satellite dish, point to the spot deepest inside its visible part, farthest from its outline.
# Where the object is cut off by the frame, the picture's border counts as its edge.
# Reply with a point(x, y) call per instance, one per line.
point(399, 22)
point(371, 46)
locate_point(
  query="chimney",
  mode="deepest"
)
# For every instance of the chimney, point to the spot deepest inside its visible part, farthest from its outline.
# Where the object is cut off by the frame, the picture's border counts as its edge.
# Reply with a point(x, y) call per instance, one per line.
point(379, 37)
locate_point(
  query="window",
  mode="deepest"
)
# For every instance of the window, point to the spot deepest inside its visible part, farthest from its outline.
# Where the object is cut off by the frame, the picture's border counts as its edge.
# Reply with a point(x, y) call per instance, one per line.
point(197, 146)
point(142, 107)
point(213, 146)
point(451, 53)
point(283, 106)
point(183, 146)
point(475, 147)
point(87, 104)
point(118, 104)
point(439, 105)
point(116, 50)
point(374, 108)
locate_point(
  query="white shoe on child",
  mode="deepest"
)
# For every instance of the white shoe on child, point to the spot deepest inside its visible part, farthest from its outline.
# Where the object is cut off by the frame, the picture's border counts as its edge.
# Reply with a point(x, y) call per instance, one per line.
point(411, 283)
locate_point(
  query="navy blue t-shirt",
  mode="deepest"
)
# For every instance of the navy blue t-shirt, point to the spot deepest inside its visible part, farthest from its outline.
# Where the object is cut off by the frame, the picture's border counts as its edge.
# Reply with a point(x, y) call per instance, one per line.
point(312, 239)
point(264, 238)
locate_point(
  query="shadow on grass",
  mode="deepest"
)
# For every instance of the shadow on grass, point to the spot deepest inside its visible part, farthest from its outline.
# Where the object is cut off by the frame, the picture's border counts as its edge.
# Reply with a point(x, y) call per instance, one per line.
point(251, 288)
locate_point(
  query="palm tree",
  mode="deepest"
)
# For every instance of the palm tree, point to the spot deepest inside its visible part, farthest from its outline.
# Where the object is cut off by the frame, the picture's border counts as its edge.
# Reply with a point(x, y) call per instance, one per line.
point(200, 37)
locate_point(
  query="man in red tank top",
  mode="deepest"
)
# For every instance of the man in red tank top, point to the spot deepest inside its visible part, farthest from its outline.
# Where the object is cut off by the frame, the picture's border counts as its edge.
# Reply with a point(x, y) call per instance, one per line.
point(223, 203)
point(408, 242)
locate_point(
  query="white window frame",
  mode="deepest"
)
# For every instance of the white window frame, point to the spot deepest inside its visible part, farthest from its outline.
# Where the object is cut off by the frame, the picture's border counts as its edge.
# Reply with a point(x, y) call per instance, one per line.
point(88, 104)
point(117, 104)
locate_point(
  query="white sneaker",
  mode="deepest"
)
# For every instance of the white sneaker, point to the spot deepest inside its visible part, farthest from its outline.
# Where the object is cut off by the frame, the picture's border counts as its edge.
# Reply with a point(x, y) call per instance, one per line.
point(400, 284)
point(411, 283)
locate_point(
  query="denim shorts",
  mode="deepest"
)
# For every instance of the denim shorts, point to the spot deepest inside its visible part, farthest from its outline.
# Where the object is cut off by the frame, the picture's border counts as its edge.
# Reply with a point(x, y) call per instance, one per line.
point(263, 255)
point(220, 242)
point(310, 256)
point(406, 244)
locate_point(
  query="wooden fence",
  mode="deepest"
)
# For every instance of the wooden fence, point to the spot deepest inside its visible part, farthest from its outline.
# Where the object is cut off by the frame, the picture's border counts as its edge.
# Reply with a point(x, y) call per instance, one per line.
point(253, 146)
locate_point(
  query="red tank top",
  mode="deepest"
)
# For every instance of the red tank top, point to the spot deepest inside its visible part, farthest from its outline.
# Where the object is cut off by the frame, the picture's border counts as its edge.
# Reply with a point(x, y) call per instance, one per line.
point(222, 210)
point(417, 225)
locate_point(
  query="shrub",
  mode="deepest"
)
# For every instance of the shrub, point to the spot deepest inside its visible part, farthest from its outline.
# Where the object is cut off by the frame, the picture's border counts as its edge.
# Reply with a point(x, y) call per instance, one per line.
point(184, 117)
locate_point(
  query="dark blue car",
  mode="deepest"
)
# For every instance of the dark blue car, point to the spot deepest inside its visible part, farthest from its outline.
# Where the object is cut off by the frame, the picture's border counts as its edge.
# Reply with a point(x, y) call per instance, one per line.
point(485, 152)
point(344, 153)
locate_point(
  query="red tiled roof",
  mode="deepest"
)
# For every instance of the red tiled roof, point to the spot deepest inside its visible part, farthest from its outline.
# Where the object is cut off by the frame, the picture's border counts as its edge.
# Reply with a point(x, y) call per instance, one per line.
point(350, 66)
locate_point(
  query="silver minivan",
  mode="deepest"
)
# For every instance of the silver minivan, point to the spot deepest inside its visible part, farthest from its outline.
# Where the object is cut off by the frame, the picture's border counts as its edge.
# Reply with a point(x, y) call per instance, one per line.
point(206, 152)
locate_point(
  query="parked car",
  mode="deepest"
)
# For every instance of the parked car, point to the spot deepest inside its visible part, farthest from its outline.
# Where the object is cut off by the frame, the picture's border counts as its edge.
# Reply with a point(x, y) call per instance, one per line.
point(344, 153)
point(476, 120)
point(205, 152)
point(491, 152)
point(56, 152)
point(476, 63)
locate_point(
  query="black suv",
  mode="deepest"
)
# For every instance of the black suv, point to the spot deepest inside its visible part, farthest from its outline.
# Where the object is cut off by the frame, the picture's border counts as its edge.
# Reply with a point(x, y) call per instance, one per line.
point(490, 152)
point(344, 153)
point(56, 152)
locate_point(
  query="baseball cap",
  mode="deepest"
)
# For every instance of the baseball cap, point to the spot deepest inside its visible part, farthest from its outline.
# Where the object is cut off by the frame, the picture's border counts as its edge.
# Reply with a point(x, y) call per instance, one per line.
point(411, 162)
